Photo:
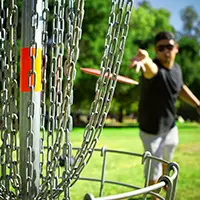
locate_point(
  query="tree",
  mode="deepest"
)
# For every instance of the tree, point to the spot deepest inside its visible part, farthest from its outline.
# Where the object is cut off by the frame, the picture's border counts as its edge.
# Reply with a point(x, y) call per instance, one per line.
point(94, 29)
point(189, 58)
point(190, 20)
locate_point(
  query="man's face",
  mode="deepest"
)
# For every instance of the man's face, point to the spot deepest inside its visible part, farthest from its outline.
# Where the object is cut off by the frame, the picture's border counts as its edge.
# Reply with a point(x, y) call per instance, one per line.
point(166, 51)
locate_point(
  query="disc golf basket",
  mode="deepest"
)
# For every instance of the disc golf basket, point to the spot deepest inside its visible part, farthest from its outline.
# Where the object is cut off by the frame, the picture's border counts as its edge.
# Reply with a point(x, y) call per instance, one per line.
point(30, 152)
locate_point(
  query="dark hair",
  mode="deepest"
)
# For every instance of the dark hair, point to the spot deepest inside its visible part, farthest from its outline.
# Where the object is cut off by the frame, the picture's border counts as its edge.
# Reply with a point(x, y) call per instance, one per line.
point(164, 36)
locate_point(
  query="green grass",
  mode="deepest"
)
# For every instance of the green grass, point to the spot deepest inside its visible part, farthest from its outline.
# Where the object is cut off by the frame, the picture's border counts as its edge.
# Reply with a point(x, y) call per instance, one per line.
point(129, 169)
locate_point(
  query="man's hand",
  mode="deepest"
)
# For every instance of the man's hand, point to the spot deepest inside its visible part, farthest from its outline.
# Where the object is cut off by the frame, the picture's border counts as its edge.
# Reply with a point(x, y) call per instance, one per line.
point(142, 60)
point(139, 60)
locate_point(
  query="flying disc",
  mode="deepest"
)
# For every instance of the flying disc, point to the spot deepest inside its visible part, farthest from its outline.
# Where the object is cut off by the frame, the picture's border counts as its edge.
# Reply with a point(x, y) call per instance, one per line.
point(119, 78)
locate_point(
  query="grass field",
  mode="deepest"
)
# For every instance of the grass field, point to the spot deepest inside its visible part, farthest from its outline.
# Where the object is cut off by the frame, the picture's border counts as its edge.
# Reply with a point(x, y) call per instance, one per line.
point(129, 170)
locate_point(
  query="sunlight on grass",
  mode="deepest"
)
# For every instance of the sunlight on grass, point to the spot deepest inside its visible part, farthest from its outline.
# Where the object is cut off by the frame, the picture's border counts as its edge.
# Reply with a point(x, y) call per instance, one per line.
point(130, 170)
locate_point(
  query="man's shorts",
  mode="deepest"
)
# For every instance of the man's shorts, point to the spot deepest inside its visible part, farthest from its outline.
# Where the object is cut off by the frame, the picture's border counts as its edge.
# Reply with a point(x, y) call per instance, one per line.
point(161, 146)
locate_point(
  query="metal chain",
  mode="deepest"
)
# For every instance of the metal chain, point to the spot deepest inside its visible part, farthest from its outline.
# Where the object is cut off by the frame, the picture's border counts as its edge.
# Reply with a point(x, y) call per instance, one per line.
point(10, 97)
point(31, 105)
point(74, 18)
point(73, 36)
point(56, 98)
point(4, 101)
point(14, 91)
point(111, 61)
point(60, 135)
point(55, 181)
point(44, 81)
point(56, 57)
point(2, 41)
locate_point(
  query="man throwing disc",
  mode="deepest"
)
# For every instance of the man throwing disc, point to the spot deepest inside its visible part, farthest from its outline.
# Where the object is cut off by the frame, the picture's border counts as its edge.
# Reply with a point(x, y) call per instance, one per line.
point(161, 84)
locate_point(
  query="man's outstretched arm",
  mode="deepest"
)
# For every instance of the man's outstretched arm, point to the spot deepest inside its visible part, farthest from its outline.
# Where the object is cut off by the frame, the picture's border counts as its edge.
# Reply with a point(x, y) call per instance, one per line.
point(186, 95)
point(149, 68)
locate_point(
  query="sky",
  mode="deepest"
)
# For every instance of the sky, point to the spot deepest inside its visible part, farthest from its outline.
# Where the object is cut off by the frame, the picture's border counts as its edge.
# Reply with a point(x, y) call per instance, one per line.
point(175, 6)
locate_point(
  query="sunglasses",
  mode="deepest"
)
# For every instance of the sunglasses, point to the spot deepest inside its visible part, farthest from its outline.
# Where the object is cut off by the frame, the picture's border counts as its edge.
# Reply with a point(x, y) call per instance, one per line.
point(161, 48)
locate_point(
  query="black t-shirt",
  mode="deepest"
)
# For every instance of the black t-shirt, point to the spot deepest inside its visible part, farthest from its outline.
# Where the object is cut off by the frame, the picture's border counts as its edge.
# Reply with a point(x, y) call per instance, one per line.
point(158, 98)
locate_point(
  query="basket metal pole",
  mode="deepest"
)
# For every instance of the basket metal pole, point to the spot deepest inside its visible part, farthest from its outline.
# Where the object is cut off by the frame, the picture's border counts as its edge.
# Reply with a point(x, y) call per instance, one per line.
point(30, 89)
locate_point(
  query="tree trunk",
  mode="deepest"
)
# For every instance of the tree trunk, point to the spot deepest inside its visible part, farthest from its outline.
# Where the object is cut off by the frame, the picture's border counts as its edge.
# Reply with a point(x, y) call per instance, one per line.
point(121, 115)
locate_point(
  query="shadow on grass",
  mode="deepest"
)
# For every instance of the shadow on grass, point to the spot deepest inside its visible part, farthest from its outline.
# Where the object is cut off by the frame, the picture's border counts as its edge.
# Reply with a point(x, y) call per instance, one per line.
point(139, 198)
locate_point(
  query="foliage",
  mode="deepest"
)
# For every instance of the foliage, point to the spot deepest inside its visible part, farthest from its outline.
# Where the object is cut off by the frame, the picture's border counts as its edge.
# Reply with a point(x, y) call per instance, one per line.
point(189, 57)
point(191, 21)
point(189, 46)
point(144, 24)
point(91, 50)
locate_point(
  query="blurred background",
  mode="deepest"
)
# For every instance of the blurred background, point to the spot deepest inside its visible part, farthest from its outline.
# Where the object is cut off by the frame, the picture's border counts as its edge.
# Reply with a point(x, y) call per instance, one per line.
point(148, 18)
